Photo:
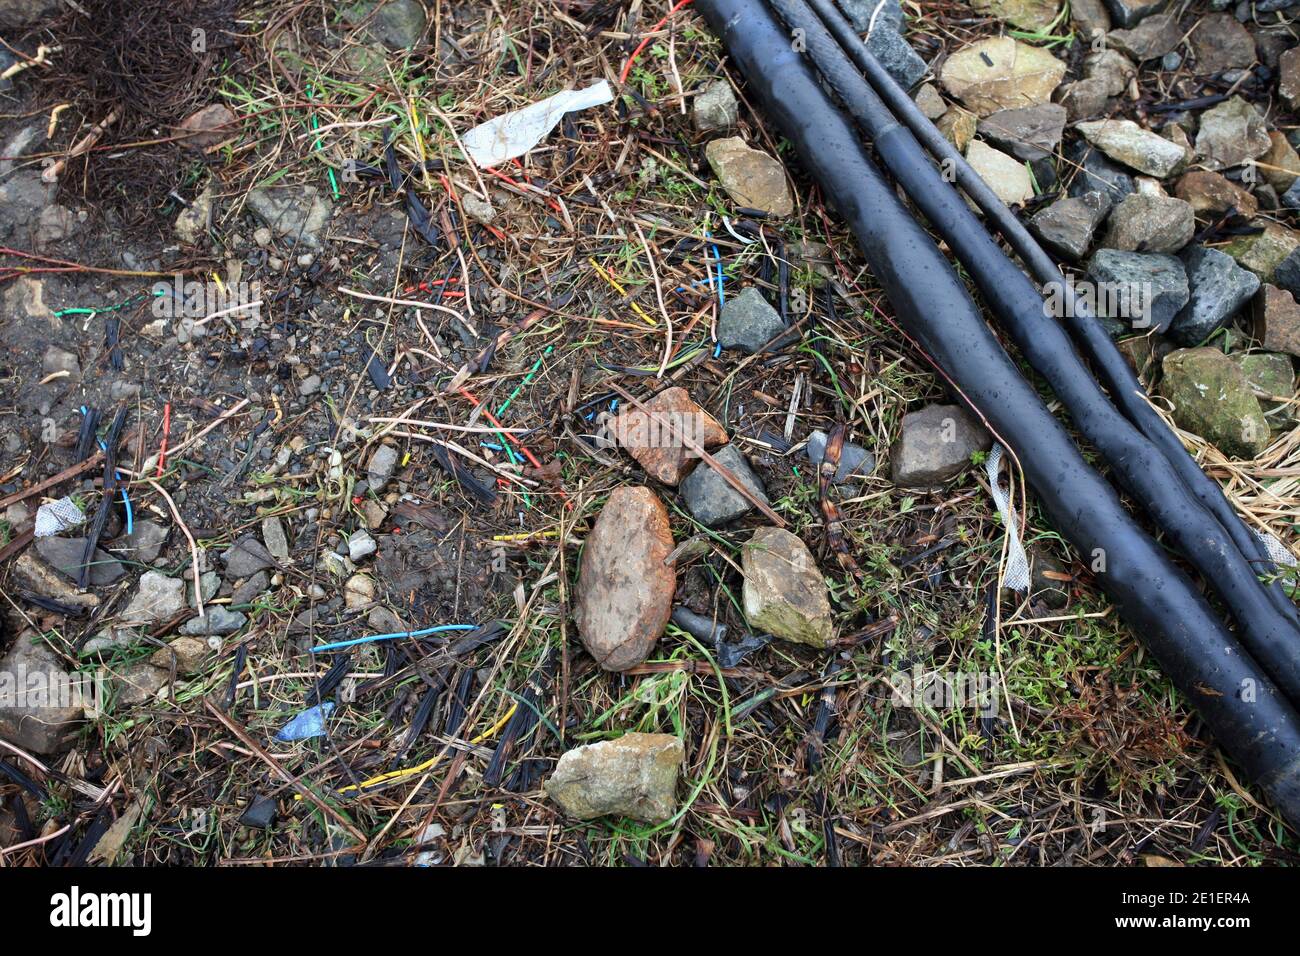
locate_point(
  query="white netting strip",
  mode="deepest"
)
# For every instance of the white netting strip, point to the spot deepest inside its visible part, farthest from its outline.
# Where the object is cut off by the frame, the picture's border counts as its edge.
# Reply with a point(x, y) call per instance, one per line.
point(57, 516)
point(1016, 575)
point(1277, 551)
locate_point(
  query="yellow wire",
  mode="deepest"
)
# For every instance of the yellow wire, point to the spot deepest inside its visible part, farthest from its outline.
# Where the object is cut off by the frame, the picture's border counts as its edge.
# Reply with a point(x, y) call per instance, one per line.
point(621, 291)
point(428, 764)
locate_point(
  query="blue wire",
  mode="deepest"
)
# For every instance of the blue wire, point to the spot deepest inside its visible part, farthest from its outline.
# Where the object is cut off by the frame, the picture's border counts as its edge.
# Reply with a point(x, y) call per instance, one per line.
point(722, 297)
point(392, 637)
point(130, 513)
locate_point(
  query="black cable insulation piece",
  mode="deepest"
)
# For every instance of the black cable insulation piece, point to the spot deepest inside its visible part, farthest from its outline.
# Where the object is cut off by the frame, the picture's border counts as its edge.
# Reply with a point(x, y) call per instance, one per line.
point(1249, 718)
point(1087, 332)
point(1017, 305)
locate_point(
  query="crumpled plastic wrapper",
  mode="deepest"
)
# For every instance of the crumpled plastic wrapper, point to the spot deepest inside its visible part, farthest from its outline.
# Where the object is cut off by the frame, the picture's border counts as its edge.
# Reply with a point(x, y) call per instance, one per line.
point(513, 134)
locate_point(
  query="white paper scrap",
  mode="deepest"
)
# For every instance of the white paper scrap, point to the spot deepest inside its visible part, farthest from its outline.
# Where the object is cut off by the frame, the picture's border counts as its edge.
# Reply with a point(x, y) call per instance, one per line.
point(505, 137)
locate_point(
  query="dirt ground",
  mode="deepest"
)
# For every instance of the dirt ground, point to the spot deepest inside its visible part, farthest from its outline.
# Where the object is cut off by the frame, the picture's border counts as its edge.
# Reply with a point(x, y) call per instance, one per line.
point(595, 274)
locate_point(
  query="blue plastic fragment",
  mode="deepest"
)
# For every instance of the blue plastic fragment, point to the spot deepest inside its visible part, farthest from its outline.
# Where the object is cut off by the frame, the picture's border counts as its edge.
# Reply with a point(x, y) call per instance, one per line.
point(310, 723)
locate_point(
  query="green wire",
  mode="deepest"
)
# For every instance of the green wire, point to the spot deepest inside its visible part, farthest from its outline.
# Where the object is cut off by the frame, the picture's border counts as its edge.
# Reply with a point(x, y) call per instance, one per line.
point(315, 124)
point(527, 378)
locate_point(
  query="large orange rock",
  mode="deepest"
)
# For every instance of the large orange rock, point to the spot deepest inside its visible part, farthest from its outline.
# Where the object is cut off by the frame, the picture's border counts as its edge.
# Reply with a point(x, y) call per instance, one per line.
point(653, 437)
point(625, 591)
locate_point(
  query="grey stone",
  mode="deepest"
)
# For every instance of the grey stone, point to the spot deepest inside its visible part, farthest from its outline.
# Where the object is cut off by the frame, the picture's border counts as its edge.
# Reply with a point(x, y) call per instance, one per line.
point(309, 385)
point(1291, 198)
point(1068, 225)
point(708, 496)
point(361, 545)
point(33, 573)
point(715, 108)
point(1231, 133)
point(399, 24)
point(143, 544)
point(57, 360)
point(784, 592)
point(251, 589)
point(936, 443)
point(1221, 43)
point(1129, 13)
point(897, 56)
point(1126, 142)
point(297, 213)
point(64, 554)
point(209, 585)
point(113, 639)
point(1030, 133)
point(16, 14)
point(383, 461)
point(192, 223)
point(186, 653)
point(1085, 99)
point(1270, 374)
point(1219, 287)
point(1111, 67)
point(1150, 223)
point(22, 197)
point(217, 620)
point(747, 322)
point(929, 102)
point(54, 224)
point(1141, 289)
point(276, 541)
point(1007, 177)
point(159, 598)
point(1287, 275)
point(30, 666)
point(477, 209)
point(1091, 16)
point(138, 684)
point(27, 140)
point(245, 557)
point(633, 776)
point(860, 12)
point(1094, 173)
point(1211, 398)
point(854, 460)
point(1150, 40)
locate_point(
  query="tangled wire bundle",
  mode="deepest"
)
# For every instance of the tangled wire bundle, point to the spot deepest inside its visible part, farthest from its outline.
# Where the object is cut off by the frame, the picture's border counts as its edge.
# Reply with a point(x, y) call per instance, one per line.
point(150, 61)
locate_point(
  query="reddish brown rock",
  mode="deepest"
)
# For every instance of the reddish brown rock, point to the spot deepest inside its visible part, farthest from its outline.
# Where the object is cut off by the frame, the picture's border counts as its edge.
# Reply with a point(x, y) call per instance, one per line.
point(653, 437)
point(1277, 320)
point(209, 126)
point(1280, 166)
point(625, 591)
point(1211, 193)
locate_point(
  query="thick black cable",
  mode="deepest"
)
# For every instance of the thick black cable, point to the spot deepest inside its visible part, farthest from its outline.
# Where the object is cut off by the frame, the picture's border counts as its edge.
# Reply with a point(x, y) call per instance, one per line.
point(1087, 332)
point(1017, 304)
point(1249, 718)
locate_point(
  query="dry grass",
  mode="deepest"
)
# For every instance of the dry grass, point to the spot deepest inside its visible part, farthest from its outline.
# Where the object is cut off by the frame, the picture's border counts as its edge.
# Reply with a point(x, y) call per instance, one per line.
point(793, 756)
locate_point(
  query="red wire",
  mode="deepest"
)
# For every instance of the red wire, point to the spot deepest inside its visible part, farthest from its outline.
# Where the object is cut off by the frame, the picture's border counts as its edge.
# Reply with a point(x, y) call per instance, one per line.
point(511, 438)
point(167, 427)
point(627, 67)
